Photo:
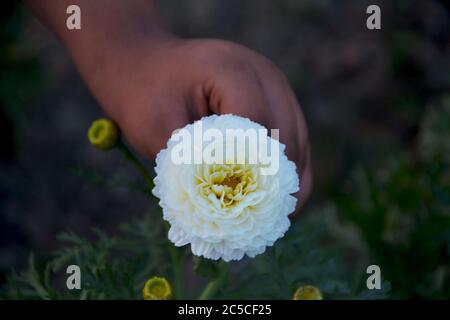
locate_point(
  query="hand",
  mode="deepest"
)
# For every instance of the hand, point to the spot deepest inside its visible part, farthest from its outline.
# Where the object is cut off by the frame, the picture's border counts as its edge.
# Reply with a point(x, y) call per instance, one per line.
point(152, 90)
point(151, 82)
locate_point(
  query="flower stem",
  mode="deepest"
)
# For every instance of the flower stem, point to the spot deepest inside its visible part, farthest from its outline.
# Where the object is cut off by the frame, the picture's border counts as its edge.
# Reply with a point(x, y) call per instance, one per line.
point(176, 256)
point(177, 259)
point(136, 163)
point(211, 289)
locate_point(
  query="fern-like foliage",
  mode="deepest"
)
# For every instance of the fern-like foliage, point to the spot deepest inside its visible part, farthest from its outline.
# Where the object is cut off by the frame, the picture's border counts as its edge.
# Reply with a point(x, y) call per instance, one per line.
point(396, 216)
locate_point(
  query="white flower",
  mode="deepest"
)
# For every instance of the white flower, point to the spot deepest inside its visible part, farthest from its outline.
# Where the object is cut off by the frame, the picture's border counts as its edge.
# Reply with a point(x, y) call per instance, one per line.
point(225, 210)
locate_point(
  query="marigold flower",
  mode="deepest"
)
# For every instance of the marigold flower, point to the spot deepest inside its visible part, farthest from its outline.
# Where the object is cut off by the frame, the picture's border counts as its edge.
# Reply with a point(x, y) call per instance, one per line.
point(225, 211)
point(307, 293)
point(103, 134)
point(157, 288)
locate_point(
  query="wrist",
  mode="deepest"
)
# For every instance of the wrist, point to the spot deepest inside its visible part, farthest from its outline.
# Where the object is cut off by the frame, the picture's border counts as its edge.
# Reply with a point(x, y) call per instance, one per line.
point(113, 70)
point(112, 41)
point(109, 28)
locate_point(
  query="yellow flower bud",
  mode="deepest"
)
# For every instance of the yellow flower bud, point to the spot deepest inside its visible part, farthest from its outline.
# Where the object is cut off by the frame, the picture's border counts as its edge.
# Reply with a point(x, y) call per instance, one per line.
point(307, 293)
point(103, 134)
point(157, 288)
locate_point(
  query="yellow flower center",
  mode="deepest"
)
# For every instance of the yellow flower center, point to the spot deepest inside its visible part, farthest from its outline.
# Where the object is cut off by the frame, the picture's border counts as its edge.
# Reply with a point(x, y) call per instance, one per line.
point(103, 134)
point(226, 184)
point(307, 293)
point(157, 289)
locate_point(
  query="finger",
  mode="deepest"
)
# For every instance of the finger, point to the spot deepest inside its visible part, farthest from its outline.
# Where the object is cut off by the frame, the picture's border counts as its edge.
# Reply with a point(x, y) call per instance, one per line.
point(240, 93)
point(306, 185)
point(293, 128)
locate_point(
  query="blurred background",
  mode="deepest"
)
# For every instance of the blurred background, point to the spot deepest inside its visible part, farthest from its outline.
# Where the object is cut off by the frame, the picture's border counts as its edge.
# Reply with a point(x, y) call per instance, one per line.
point(366, 96)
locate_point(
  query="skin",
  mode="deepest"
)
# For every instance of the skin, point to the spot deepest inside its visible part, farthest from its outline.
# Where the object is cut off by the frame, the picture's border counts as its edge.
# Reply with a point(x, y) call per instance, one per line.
point(152, 82)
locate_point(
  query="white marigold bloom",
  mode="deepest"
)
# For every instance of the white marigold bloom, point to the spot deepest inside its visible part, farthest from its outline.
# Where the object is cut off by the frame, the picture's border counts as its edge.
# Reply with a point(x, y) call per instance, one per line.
point(225, 211)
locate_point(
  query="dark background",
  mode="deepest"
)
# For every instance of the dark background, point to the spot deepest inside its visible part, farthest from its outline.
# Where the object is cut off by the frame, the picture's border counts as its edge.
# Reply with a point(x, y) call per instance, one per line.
point(363, 93)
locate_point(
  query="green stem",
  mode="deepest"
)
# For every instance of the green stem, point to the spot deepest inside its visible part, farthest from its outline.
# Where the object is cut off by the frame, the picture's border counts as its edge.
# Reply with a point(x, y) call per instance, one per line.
point(136, 163)
point(176, 256)
point(177, 261)
point(211, 289)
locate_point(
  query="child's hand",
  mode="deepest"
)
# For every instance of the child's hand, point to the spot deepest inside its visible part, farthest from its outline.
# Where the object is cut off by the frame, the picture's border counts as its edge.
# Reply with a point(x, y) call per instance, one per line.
point(154, 91)
point(151, 82)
